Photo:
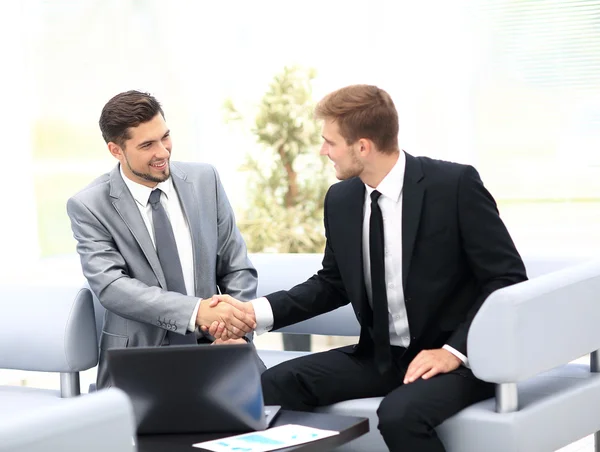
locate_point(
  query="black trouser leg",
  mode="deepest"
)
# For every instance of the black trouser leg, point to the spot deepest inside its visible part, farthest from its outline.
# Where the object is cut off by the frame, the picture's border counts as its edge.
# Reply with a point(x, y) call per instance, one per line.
point(409, 414)
point(324, 378)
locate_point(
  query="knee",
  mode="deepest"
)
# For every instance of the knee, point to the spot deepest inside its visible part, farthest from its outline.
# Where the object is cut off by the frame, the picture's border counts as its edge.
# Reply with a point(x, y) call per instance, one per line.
point(276, 375)
point(282, 386)
point(276, 380)
point(398, 414)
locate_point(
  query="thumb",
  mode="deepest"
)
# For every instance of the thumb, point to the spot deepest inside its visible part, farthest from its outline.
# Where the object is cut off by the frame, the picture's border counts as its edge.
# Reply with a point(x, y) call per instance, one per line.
point(214, 301)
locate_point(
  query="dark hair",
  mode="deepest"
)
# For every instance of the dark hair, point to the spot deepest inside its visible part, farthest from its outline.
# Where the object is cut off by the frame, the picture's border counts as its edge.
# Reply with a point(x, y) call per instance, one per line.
point(125, 110)
point(362, 111)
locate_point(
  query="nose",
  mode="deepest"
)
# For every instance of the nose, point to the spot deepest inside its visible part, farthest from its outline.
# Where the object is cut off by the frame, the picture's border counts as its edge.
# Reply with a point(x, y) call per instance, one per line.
point(324, 149)
point(163, 151)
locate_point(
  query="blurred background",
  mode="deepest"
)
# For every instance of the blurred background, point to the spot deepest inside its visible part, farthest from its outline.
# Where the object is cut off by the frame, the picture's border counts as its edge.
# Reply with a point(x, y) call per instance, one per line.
point(510, 86)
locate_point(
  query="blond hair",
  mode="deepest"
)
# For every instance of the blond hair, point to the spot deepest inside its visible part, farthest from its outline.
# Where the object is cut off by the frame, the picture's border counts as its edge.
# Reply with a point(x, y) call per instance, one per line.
point(362, 111)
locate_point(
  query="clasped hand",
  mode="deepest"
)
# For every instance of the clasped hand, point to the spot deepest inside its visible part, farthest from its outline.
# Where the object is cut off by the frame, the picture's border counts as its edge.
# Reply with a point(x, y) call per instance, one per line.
point(226, 318)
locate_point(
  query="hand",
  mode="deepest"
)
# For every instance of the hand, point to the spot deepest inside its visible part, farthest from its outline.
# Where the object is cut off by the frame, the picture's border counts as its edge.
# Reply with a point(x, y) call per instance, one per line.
point(229, 341)
point(429, 363)
point(237, 322)
point(218, 329)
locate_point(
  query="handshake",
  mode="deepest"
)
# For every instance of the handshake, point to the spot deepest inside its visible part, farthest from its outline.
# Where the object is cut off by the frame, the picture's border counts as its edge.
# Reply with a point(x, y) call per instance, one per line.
point(226, 318)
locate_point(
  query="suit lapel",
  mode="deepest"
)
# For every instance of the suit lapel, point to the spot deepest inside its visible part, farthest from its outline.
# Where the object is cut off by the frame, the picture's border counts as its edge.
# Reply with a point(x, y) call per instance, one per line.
point(191, 209)
point(130, 214)
point(354, 228)
point(412, 201)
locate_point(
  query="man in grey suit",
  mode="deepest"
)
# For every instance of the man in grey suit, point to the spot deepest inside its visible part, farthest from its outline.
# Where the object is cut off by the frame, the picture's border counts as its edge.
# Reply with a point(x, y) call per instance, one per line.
point(157, 239)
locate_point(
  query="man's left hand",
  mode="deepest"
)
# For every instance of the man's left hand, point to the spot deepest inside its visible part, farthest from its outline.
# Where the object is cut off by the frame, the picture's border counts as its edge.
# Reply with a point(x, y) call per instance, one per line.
point(429, 363)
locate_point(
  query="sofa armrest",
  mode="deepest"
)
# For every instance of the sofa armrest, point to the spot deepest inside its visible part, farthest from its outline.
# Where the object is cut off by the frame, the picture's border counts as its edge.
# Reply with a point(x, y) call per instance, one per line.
point(536, 325)
point(102, 421)
point(47, 328)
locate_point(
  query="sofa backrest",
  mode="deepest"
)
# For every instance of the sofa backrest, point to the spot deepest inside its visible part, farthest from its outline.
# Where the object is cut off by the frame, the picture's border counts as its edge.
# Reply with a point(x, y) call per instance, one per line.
point(47, 328)
point(282, 271)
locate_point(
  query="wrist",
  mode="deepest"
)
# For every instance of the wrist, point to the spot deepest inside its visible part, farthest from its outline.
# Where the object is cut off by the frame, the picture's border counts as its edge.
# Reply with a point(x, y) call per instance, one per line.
point(200, 321)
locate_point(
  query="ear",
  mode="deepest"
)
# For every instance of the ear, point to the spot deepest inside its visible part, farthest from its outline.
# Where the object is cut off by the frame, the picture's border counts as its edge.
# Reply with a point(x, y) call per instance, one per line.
point(365, 147)
point(115, 150)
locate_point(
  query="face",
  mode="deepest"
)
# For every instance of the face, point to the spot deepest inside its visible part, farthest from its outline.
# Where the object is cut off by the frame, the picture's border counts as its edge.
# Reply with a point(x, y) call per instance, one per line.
point(345, 158)
point(145, 156)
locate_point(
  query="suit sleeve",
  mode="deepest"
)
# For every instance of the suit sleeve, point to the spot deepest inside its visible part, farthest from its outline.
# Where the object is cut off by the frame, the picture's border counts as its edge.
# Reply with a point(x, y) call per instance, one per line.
point(321, 293)
point(106, 271)
point(236, 275)
point(489, 249)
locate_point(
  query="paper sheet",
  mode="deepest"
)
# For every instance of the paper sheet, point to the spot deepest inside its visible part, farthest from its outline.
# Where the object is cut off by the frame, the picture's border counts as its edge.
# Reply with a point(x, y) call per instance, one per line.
point(267, 440)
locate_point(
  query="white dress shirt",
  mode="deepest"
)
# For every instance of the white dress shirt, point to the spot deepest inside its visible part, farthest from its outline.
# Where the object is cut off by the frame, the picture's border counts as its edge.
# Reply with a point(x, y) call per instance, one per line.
point(390, 203)
point(183, 238)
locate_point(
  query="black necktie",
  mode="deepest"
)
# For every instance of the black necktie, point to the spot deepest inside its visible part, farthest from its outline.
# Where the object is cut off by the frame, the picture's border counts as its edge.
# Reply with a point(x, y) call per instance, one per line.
point(166, 249)
point(381, 332)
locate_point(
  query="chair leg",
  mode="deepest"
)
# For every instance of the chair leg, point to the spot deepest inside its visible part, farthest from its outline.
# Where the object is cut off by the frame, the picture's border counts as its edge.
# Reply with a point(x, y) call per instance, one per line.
point(595, 367)
point(69, 384)
point(507, 398)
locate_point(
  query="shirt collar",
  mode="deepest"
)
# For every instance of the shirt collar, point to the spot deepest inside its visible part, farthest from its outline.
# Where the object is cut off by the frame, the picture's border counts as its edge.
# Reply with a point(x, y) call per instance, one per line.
point(391, 185)
point(141, 193)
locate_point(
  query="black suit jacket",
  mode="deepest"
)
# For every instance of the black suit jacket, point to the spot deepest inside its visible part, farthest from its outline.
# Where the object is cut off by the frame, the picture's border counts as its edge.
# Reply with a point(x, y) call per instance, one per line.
point(455, 252)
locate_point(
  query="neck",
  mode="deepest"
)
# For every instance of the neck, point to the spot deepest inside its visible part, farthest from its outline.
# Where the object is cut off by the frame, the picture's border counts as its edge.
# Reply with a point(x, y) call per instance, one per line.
point(381, 166)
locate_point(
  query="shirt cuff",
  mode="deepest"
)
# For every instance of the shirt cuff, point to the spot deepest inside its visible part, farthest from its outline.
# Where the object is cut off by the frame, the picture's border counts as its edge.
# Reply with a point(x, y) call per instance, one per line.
point(192, 324)
point(263, 312)
point(458, 354)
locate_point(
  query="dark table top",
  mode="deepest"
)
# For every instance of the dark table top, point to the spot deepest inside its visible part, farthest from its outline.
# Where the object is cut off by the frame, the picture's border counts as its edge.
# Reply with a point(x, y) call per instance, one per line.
point(348, 426)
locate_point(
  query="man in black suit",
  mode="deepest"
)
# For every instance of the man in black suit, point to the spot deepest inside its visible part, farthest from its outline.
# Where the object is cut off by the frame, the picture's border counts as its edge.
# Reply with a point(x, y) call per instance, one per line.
point(416, 245)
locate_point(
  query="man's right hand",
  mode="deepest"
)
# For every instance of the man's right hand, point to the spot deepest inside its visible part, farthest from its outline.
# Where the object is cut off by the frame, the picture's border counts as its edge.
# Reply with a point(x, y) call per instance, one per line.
point(220, 329)
point(235, 320)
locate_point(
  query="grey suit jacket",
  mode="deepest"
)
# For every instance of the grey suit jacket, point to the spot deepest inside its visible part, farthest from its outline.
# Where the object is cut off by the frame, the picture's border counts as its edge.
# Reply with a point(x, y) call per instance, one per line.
point(122, 267)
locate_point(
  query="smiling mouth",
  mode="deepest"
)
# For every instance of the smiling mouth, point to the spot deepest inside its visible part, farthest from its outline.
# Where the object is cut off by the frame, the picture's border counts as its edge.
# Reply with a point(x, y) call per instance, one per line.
point(159, 165)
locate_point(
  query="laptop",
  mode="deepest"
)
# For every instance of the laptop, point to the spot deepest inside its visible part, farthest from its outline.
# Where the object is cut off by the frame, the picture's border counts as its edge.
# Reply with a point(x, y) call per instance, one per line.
point(192, 389)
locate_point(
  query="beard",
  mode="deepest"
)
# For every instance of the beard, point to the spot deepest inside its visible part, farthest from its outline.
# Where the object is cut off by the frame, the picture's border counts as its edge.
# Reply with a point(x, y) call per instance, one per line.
point(149, 177)
point(354, 169)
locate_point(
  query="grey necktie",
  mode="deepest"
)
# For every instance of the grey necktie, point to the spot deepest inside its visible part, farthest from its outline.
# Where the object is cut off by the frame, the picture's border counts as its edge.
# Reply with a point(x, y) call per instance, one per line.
point(166, 249)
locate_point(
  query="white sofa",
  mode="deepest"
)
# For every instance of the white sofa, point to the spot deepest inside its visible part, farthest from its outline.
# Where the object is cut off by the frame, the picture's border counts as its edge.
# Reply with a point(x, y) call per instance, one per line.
point(523, 339)
point(97, 422)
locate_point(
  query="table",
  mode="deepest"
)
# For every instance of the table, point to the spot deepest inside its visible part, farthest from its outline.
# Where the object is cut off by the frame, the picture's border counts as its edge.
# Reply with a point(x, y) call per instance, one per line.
point(348, 426)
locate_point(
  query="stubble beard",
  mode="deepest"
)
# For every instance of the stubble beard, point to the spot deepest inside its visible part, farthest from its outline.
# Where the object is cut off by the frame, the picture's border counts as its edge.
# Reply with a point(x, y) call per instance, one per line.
point(149, 177)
